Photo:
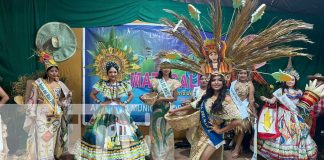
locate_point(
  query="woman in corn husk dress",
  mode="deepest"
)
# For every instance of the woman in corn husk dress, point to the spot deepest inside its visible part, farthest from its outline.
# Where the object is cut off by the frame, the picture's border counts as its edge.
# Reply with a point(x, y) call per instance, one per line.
point(112, 133)
point(46, 116)
point(242, 94)
point(197, 92)
point(161, 133)
point(216, 109)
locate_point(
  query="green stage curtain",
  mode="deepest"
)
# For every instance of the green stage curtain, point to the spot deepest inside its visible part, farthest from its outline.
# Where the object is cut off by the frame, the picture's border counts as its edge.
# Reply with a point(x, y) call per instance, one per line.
point(20, 20)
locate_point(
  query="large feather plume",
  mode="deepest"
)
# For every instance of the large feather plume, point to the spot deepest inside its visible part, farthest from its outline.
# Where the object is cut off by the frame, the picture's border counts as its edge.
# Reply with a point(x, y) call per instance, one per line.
point(177, 60)
point(270, 44)
point(216, 18)
point(240, 24)
point(194, 41)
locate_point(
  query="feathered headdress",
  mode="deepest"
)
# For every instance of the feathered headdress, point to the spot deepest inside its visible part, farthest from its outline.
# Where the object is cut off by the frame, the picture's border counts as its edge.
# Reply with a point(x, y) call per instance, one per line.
point(114, 50)
point(233, 52)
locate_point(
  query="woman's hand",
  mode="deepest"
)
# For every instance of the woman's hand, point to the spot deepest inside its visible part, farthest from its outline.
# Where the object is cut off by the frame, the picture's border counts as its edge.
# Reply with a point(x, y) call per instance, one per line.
point(58, 102)
point(122, 104)
point(263, 98)
point(215, 128)
point(103, 103)
point(69, 94)
point(173, 112)
point(140, 97)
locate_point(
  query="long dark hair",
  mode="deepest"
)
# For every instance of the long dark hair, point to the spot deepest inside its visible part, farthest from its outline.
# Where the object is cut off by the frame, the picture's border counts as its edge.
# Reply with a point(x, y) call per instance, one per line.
point(160, 75)
point(217, 105)
point(49, 68)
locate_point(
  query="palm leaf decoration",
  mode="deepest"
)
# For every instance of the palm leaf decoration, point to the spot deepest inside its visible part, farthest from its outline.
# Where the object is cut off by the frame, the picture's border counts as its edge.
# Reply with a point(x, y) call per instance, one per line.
point(112, 49)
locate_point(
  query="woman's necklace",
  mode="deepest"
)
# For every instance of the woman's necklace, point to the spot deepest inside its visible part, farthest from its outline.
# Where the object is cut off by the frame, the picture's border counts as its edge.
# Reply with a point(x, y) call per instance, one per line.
point(112, 91)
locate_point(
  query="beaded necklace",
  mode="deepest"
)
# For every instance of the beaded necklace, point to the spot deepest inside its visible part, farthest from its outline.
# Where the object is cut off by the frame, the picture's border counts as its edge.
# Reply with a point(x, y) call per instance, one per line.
point(113, 88)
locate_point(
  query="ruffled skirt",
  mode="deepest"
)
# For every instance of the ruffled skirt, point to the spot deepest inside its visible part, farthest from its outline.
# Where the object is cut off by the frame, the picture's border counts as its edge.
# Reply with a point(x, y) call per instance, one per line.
point(293, 142)
point(113, 135)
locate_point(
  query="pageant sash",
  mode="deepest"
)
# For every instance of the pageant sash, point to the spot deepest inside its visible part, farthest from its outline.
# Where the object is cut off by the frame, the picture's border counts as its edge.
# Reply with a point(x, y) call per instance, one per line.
point(47, 94)
point(283, 98)
point(287, 102)
point(166, 90)
point(164, 87)
point(216, 139)
point(241, 105)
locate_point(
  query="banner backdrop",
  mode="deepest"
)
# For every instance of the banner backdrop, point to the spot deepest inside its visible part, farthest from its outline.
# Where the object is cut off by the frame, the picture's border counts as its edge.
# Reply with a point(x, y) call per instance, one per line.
point(146, 41)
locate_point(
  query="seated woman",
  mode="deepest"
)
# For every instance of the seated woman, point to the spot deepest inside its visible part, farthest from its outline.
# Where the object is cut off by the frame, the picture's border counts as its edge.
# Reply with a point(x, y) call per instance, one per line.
point(112, 133)
point(216, 108)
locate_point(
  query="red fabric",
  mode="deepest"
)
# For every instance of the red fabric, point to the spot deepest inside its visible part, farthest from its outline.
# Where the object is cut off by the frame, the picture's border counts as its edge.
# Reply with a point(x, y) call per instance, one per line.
point(318, 108)
point(313, 127)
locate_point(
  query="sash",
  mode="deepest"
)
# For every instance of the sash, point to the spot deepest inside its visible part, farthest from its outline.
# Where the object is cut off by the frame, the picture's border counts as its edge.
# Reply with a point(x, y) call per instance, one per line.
point(241, 105)
point(48, 95)
point(287, 102)
point(166, 90)
point(164, 87)
point(216, 139)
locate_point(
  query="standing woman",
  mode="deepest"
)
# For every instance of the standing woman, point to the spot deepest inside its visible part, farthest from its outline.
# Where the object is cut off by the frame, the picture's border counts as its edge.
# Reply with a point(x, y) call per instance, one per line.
point(283, 132)
point(197, 92)
point(3, 128)
point(45, 115)
point(216, 108)
point(242, 94)
point(162, 137)
point(112, 133)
